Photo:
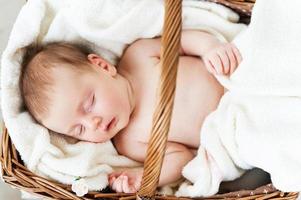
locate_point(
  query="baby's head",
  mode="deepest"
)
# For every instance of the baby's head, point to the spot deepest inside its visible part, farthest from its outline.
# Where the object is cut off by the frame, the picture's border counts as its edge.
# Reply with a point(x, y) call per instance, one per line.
point(74, 92)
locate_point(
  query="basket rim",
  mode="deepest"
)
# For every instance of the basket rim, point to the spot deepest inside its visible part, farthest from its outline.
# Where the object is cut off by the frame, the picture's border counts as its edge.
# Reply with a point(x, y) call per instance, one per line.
point(15, 173)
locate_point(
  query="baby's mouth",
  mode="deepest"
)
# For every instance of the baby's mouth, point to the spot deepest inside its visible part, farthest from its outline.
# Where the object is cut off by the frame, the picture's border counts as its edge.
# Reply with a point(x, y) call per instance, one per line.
point(110, 125)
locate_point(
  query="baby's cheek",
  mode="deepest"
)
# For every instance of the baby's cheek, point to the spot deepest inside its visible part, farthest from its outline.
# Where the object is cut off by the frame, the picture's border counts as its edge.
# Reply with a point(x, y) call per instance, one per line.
point(117, 104)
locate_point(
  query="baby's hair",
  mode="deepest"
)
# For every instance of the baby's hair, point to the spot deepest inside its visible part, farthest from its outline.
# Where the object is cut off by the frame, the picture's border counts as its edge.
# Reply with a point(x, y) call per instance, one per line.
point(37, 77)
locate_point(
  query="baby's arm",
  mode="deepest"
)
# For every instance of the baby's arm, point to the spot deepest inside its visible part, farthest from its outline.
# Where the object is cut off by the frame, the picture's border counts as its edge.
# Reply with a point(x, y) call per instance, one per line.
point(219, 57)
point(198, 43)
point(176, 157)
point(129, 181)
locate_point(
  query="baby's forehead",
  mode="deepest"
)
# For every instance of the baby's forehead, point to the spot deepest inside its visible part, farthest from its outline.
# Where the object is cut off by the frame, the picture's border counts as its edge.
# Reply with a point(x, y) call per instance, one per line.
point(68, 81)
point(64, 76)
point(69, 92)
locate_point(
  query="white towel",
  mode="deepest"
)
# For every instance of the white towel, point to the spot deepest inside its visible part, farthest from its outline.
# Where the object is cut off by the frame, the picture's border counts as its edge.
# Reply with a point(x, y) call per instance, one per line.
point(108, 27)
point(257, 123)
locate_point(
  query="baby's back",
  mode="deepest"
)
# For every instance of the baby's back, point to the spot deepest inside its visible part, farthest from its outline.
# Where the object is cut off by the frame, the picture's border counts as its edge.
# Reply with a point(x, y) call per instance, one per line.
point(197, 94)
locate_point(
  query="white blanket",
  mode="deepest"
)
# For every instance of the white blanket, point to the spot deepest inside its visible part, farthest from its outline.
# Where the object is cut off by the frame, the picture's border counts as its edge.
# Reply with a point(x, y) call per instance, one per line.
point(258, 122)
point(108, 27)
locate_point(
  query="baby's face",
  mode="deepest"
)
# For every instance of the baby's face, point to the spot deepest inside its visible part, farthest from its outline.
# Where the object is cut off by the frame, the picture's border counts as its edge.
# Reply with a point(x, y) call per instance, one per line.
point(93, 106)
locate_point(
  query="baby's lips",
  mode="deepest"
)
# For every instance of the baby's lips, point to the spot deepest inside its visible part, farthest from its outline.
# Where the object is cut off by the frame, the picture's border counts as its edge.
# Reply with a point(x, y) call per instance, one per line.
point(103, 127)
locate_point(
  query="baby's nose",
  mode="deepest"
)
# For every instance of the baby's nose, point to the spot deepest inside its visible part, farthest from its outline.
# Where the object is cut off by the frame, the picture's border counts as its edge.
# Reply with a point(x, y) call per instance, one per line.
point(95, 123)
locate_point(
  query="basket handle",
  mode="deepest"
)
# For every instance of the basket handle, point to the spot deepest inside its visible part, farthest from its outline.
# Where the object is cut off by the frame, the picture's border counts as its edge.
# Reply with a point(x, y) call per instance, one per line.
point(171, 39)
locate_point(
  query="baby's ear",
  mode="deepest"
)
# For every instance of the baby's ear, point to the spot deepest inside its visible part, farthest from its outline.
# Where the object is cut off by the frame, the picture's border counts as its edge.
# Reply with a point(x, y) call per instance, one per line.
point(98, 61)
point(95, 59)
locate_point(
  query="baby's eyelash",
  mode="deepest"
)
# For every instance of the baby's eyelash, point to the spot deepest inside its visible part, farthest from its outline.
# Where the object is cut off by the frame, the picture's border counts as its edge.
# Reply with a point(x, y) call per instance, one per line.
point(77, 130)
point(90, 104)
point(93, 100)
point(81, 130)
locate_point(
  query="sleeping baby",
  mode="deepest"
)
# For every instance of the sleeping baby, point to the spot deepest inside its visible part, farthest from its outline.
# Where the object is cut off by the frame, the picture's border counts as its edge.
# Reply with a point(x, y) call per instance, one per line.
point(74, 92)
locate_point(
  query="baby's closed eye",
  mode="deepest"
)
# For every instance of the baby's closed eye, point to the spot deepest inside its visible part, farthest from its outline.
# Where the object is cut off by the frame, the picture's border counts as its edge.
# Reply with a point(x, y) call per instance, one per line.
point(78, 130)
point(89, 106)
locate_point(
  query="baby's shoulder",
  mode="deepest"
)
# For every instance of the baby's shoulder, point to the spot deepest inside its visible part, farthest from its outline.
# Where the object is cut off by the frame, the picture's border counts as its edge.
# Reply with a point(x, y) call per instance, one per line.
point(149, 47)
point(127, 143)
point(142, 52)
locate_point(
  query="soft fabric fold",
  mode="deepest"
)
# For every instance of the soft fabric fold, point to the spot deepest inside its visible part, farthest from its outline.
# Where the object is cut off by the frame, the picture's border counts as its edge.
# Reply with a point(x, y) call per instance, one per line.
point(257, 122)
point(107, 27)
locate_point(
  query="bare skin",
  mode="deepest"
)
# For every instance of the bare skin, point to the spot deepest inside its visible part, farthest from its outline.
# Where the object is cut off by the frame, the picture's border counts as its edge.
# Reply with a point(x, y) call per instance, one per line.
point(197, 94)
point(118, 102)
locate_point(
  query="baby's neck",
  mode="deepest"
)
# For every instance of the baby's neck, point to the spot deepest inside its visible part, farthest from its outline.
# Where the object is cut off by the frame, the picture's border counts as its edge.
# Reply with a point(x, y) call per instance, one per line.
point(129, 84)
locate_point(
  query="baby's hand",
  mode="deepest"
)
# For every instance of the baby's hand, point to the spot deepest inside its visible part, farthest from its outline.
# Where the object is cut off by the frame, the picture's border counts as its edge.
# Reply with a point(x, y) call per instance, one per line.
point(222, 60)
point(128, 181)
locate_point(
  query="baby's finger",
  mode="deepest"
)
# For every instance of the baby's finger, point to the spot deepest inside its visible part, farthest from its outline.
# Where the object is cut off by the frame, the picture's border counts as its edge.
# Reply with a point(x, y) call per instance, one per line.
point(217, 64)
point(114, 186)
point(125, 184)
point(237, 54)
point(111, 180)
point(225, 61)
point(209, 66)
point(117, 185)
point(232, 59)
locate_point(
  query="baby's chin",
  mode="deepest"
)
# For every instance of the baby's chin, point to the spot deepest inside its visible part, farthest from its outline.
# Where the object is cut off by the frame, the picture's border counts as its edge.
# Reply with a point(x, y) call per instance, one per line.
point(102, 139)
point(95, 140)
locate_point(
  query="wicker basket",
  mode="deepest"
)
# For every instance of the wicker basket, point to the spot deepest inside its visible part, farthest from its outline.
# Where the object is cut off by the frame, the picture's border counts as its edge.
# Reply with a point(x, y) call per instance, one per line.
point(16, 174)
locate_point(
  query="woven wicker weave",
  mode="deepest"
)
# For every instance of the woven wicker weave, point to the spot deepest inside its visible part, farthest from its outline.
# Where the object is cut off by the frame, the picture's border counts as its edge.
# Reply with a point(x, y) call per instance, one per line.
point(16, 174)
